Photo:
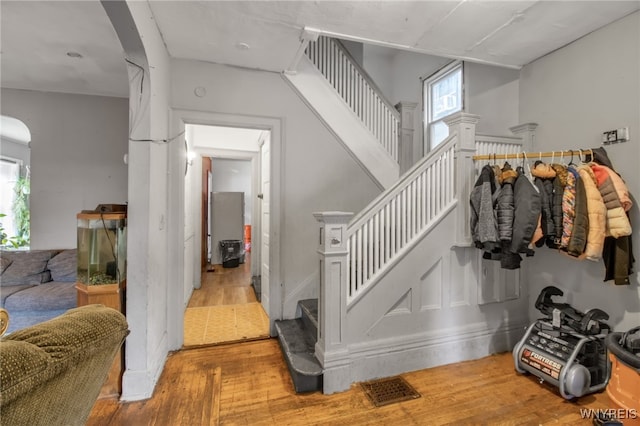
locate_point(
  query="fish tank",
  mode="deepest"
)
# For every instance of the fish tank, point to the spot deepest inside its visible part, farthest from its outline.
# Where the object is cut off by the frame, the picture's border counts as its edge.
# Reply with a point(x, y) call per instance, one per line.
point(102, 254)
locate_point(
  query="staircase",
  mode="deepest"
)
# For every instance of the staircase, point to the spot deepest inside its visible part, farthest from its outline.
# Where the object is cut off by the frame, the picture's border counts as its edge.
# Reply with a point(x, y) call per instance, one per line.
point(401, 288)
point(341, 94)
point(297, 339)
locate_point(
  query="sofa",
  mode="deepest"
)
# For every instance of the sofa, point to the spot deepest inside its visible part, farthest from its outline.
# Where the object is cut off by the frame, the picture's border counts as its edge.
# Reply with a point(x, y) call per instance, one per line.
point(51, 373)
point(37, 285)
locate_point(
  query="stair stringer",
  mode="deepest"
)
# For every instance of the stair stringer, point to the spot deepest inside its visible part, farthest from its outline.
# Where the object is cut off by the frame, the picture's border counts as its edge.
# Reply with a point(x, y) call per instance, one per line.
point(444, 324)
point(321, 97)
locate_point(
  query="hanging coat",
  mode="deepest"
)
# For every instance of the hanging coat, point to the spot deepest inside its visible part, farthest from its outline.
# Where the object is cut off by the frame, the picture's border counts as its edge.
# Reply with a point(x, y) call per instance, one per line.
point(527, 210)
point(505, 204)
point(578, 239)
point(618, 259)
point(559, 182)
point(484, 229)
point(568, 209)
point(543, 179)
point(597, 212)
point(617, 224)
point(621, 189)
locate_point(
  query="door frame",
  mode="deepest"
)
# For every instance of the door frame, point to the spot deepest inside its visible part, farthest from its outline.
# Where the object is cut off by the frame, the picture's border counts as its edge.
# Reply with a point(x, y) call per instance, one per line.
point(176, 247)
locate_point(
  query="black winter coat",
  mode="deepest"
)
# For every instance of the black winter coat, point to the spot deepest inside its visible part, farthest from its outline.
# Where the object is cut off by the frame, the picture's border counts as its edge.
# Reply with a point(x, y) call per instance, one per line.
point(556, 213)
point(505, 205)
point(528, 203)
point(545, 187)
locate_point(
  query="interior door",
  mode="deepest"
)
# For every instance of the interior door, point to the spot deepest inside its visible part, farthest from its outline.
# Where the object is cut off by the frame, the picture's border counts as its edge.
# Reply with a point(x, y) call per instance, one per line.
point(265, 173)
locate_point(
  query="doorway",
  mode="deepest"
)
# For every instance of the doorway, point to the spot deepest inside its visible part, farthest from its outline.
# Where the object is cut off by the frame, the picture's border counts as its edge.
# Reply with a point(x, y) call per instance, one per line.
point(225, 304)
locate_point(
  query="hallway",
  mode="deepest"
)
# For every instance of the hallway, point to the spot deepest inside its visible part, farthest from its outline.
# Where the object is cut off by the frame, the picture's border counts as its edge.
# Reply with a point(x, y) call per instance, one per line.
point(225, 309)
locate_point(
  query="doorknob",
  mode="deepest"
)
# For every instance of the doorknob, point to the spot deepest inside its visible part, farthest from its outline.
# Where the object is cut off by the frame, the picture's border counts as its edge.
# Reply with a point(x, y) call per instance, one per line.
point(260, 196)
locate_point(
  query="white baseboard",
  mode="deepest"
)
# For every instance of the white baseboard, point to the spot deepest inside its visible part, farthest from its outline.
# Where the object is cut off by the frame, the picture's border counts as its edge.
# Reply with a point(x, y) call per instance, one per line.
point(389, 357)
point(139, 384)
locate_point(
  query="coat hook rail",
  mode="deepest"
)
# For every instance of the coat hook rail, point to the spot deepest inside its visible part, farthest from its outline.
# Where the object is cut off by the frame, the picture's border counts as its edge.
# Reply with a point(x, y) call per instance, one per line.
point(535, 155)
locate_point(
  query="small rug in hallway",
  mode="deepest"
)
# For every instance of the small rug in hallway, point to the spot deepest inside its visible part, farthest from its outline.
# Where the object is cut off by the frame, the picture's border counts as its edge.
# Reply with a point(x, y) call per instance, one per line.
point(210, 325)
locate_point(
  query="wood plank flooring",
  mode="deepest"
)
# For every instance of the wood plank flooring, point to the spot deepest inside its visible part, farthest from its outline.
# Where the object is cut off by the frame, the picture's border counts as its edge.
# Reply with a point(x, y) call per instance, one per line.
point(225, 308)
point(225, 286)
point(255, 389)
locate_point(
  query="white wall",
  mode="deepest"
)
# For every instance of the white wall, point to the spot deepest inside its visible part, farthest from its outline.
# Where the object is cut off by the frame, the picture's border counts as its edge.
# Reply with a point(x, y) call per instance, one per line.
point(155, 232)
point(575, 94)
point(491, 92)
point(316, 172)
point(227, 138)
point(234, 176)
point(77, 147)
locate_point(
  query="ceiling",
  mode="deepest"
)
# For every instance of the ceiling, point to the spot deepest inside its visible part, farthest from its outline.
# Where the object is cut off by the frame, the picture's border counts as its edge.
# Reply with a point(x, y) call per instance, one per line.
point(37, 35)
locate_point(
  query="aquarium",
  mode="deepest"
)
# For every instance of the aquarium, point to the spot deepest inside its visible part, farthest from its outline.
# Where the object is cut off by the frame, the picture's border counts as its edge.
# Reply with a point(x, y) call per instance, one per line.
point(102, 239)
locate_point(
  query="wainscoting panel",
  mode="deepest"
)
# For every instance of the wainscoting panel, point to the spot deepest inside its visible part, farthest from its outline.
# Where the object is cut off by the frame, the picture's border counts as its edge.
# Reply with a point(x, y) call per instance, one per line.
point(431, 287)
point(462, 274)
point(402, 306)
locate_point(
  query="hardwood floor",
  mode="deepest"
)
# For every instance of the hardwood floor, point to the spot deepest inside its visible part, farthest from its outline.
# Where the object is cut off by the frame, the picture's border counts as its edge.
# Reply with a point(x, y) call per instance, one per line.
point(248, 384)
point(225, 308)
point(225, 286)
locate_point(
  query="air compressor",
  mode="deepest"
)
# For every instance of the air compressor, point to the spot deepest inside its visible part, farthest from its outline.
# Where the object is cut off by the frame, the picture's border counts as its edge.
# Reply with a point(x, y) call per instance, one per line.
point(565, 348)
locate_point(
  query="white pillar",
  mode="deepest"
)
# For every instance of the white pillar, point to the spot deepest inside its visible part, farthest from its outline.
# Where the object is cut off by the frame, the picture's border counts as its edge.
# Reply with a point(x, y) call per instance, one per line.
point(464, 125)
point(405, 137)
point(527, 132)
point(331, 347)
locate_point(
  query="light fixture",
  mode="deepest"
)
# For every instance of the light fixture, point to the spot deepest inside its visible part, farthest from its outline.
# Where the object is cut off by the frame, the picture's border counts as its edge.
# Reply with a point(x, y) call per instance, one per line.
point(73, 54)
point(191, 155)
point(243, 46)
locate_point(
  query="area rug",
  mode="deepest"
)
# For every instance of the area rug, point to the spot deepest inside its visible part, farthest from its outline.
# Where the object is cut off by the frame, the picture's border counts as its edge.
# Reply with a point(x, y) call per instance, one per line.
point(212, 325)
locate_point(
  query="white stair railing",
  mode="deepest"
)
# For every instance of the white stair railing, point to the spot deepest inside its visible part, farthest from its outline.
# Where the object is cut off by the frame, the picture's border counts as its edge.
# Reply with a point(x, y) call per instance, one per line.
point(386, 229)
point(357, 89)
point(488, 145)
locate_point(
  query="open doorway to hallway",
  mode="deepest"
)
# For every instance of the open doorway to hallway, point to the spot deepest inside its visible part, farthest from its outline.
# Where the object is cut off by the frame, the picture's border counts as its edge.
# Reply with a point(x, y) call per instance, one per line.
point(226, 196)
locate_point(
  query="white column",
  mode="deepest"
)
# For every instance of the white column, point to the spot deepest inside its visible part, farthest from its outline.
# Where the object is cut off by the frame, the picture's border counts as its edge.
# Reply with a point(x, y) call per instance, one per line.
point(405, 134)
point(331, 347)
point(527, 132)
point(464, 125)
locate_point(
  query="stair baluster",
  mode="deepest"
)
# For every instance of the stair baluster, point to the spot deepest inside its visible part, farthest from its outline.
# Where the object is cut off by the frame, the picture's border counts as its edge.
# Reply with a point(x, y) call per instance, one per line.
point(358, 90)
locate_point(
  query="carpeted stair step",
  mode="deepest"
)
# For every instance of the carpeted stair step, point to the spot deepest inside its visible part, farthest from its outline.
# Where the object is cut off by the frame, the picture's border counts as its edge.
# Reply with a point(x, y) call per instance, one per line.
point(298, 346)
point(308, 311)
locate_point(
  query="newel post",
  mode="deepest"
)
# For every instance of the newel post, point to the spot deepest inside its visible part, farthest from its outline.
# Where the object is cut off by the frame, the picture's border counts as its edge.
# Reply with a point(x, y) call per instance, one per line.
point(465, 126)
point(331, 347)
point(405, 134)
point(527, 132)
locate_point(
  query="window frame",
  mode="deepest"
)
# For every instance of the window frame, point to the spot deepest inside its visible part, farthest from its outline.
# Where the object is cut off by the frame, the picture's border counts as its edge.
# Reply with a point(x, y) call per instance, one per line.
point(427, 84)
point(9, 223)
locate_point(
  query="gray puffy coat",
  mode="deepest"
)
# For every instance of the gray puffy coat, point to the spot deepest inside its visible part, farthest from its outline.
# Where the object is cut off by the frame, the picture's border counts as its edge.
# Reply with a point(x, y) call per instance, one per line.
point(484, 229)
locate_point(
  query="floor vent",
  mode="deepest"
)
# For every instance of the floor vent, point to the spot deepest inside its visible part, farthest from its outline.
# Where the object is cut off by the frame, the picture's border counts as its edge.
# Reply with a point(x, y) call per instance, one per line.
point(388, 391)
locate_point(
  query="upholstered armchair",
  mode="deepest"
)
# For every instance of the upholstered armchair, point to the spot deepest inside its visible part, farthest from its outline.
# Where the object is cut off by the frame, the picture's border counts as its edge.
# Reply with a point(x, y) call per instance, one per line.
point(51, 373)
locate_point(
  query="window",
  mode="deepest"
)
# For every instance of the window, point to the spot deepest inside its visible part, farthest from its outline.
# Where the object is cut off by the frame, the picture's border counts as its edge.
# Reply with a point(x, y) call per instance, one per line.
point(442, 96)
point(14, 213)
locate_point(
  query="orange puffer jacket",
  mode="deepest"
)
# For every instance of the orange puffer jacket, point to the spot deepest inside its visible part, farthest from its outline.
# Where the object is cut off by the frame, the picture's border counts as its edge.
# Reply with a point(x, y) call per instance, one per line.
point(618, 224)
point(597, 213)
